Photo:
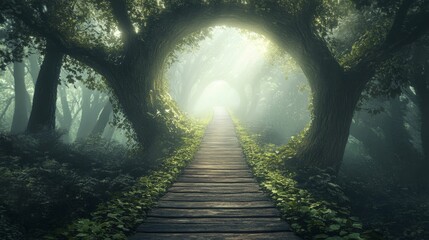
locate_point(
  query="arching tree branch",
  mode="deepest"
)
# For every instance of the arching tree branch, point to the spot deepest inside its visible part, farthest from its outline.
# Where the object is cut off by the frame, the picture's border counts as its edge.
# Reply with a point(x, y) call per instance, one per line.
point(405, 30)
point(119, 10)
point(94, 57)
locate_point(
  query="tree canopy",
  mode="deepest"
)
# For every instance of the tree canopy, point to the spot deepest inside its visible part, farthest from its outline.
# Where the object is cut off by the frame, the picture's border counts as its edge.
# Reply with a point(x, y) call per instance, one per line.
point(128, 43)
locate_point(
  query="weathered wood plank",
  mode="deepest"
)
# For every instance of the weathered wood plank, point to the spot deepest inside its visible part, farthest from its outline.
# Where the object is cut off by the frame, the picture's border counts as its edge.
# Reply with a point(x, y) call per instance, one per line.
point(253, 189)
point(225, 175)
point(207, 205)
point(214, 220)
point(220, 162)
point(217, 236)
point(219, 154)
point(217, 167)
point(248, 227)
point(210, 197)
point(190, 184)
point(216, 180)
point(215, 171)
point(214, 212)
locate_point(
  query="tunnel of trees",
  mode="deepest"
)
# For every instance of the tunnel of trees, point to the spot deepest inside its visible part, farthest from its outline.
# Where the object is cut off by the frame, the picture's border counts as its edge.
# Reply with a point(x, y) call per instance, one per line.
point(364, 66)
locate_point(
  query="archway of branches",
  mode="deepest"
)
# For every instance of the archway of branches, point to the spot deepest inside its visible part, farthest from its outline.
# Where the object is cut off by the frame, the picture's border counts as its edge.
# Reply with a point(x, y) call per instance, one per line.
point(245, 73)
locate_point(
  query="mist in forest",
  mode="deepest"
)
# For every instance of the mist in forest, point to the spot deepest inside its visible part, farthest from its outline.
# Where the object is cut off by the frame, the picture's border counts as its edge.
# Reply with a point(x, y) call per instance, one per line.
point(239, 70)
point(105, 105)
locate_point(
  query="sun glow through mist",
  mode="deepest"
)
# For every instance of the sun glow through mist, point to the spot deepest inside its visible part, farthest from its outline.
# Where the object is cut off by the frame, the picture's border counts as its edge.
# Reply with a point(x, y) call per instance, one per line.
point(217, 70)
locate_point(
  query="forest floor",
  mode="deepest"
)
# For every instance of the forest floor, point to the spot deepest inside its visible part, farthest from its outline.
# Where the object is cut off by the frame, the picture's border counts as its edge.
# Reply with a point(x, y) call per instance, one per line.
point(363, 202)
point(46, 184)
point(54, 189)
point(96, 188)
point(396, 210)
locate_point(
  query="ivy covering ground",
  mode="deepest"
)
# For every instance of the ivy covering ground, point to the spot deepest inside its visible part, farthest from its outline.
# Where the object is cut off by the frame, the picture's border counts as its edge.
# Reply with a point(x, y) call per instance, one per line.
point(118, 217)
point(315, 207)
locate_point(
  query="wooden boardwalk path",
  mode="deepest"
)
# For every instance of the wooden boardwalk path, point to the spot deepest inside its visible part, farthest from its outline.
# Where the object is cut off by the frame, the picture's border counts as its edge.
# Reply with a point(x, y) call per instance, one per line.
point(216, 197)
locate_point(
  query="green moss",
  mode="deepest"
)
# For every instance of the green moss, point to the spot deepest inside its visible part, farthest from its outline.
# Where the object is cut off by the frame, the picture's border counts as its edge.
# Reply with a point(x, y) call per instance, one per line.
point(118, 217)
point(310, 216)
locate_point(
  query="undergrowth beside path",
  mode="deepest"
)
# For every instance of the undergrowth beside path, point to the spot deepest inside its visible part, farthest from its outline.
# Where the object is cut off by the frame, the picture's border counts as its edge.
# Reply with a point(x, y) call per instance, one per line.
point(311, 215)
point(118, 217)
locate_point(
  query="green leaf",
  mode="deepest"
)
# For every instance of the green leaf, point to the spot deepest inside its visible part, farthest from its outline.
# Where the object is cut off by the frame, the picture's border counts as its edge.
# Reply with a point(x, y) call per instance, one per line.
point(334, 227)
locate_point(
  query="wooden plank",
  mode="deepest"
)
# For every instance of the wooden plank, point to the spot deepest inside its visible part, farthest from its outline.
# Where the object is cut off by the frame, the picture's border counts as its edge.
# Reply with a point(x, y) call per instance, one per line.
point(247, 227)
point(217, 167)
point(217, 175)
point(214, 212)
point(217, 143)
point(213, 220)
point(217, 236)
point(226, 145)
point(190, 184)
point(216, 180)
point(213, 197)
point(250, 189)
point(216, 171)
point(208, 205)
point(216, 157)
point(220, 162)
point(220, 152)
point(213, 172)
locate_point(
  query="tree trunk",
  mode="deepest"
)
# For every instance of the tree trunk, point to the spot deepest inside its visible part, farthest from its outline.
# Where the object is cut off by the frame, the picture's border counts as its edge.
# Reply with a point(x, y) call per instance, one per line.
point(425, 129)
point(67, 116)
point(83, 129)
point(20, 114)
point(362, 130)
point(90, 112)
point(34, 67)
point(109, 132)
point(42, 116)
point(398, 136)
point(324, 144)
point(421, 86)
point(103, 120)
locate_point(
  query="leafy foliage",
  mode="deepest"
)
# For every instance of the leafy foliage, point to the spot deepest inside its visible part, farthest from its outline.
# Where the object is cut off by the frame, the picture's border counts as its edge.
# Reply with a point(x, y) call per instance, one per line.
point(394, 210)
point(47, 184)
point(117, 217)
point(316, 207)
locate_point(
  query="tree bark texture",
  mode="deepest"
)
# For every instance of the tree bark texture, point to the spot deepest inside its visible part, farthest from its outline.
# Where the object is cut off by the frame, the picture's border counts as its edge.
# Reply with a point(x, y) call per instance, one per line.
point(91, 107)
point(324, 144)
point(103, 120)
point(67, 119)
point(42, 116)
point(421, 86)
point(20, 114)
point(34, 66)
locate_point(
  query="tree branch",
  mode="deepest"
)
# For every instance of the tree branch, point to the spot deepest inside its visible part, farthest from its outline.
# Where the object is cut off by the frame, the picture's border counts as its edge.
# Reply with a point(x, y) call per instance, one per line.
point(398, 21)
point(94, 57)
point(405, 30)
point(119, 10)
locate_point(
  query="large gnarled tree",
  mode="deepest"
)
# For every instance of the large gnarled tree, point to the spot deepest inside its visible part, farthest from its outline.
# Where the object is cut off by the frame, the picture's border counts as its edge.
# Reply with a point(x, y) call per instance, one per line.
point(149, 31)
